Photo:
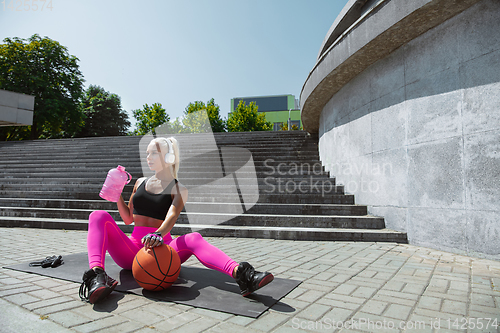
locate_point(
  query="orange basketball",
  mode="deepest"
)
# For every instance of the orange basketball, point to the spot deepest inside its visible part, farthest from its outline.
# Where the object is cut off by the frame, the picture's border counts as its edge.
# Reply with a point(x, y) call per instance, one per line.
point(156, 268)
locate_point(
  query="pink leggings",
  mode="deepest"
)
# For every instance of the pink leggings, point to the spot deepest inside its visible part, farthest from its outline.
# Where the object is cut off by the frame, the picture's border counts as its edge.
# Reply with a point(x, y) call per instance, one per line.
point(104, 234)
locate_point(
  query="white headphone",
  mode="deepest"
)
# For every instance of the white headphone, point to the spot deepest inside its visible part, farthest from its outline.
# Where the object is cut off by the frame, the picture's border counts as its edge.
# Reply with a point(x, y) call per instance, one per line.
point(170, 156)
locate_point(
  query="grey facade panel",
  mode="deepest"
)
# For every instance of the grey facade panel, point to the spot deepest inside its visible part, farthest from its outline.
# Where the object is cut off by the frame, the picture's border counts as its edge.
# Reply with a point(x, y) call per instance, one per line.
point(265, 104)
point(16, 109)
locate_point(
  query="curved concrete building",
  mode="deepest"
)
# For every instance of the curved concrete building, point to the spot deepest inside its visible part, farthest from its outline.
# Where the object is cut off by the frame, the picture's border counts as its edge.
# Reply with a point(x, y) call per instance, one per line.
point(405, 98)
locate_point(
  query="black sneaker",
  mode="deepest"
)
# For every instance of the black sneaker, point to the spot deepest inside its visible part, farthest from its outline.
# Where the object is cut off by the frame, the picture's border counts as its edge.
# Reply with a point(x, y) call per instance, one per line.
point(250, 280)
point(96, 286)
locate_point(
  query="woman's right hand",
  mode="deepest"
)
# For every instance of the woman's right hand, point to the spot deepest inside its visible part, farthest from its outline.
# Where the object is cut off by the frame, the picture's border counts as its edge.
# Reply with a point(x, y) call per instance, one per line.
point(152, 240)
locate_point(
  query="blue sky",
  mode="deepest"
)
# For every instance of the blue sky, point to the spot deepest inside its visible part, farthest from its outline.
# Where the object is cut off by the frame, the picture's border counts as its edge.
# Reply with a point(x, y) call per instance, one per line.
point(177, 52)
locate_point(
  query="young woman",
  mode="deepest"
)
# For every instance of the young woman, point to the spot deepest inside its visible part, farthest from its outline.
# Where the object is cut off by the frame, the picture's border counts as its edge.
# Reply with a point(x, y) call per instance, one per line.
point(154, 206)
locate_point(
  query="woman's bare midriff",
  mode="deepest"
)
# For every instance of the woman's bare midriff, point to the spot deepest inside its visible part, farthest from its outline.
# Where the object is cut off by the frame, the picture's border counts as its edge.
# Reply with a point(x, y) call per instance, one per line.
point(146, 221)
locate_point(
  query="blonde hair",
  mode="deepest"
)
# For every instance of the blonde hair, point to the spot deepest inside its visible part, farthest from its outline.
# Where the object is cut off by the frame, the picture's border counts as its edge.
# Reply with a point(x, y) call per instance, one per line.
point(164, 144)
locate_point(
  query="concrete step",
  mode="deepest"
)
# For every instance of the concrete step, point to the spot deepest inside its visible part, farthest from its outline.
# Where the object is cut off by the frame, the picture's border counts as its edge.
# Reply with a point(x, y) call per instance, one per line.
point(298, 234)
point(292, 198)
point(273, 157)
point(58, 203)
point(192, 178)
point(267, 185)
point(57, 213)
point(220, 138)
point(62, 155)
point(314, 221)
point(284, 233)
point(259, 208)
point(202, 141)
point(270, 158)
point(88, 170)
point(186, 142)
point(280, 209)
point(195, 190)
point(274, 220)
point(188, 179)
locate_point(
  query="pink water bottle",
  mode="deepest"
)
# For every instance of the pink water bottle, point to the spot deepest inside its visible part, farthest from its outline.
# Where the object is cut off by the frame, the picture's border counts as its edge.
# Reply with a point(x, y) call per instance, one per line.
point(115, 182)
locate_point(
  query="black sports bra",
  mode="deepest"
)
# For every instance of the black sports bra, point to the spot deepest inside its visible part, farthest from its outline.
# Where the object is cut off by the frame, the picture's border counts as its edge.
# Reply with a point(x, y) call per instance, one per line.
point(150, 204)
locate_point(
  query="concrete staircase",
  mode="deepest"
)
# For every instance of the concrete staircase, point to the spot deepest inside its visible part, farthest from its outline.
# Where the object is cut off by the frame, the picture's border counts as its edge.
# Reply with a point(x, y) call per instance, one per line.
point(55, 184)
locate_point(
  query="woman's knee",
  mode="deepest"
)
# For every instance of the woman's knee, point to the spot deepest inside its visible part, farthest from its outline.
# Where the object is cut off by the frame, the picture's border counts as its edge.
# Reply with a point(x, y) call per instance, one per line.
point(194, 238)
point(188, 241)
point(100, 216)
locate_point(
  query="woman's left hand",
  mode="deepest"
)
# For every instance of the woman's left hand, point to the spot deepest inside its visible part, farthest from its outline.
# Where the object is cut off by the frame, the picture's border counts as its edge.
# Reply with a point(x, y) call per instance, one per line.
point(152, 240)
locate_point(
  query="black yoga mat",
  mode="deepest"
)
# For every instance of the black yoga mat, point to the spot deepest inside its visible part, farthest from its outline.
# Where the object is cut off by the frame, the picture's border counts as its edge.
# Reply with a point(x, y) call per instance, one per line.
point(198, 287)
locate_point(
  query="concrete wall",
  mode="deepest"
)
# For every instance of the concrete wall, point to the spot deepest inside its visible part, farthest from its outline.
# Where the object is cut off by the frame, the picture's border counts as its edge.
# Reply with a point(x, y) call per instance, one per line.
point(416, 135)
point(16, 109)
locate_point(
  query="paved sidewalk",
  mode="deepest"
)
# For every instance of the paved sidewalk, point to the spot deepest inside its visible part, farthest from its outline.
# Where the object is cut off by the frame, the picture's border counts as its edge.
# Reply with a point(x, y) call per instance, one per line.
point(364, 287)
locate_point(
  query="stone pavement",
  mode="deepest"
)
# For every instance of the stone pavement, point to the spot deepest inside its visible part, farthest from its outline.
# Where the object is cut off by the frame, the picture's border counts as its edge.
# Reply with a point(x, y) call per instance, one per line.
point(357, 287)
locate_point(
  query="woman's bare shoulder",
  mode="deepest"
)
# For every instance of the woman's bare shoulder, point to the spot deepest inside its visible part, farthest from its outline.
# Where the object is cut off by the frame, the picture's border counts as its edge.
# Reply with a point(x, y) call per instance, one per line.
point(179, 187)
point(138, 182)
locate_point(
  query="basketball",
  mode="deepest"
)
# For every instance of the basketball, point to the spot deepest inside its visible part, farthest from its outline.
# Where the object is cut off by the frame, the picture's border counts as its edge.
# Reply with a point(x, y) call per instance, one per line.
point(156, 268)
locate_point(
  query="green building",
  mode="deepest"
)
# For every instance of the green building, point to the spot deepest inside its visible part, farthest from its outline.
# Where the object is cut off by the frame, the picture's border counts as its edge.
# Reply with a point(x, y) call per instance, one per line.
point(277, 108)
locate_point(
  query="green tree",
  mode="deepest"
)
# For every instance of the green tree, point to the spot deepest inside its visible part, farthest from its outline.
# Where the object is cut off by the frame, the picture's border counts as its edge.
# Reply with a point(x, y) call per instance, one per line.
point(104, 114)
point(176, 126)
point(284, 127)
point(148, 118)
point(42, 67)
point(247, 118)
point(213, 111)
point(14, 133)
